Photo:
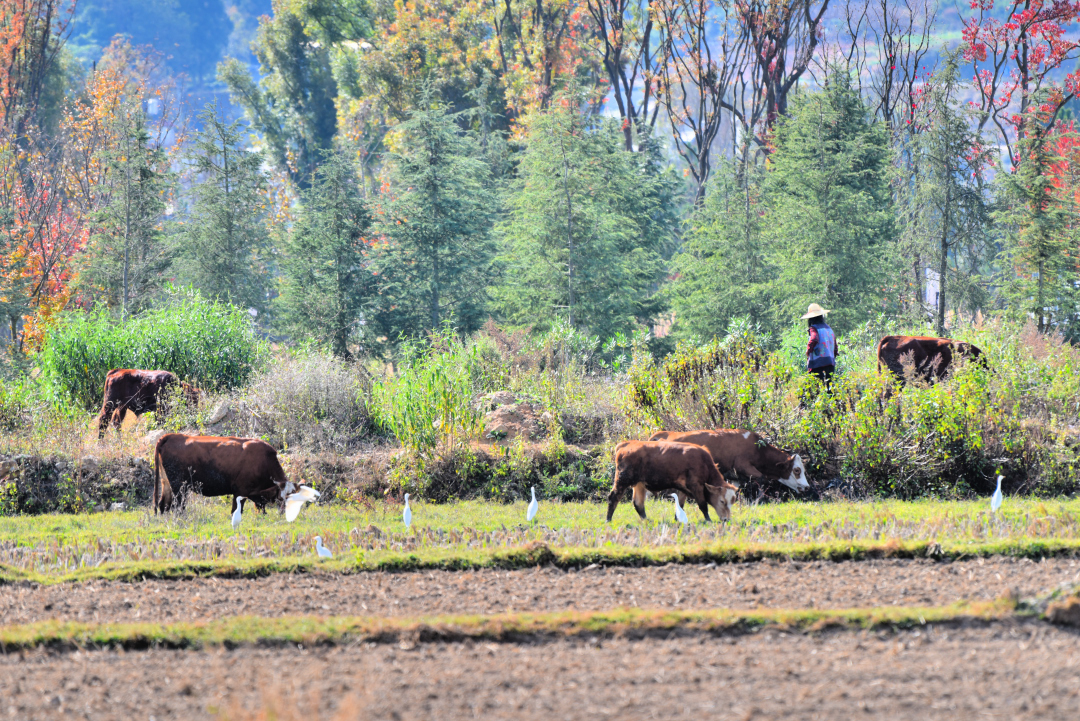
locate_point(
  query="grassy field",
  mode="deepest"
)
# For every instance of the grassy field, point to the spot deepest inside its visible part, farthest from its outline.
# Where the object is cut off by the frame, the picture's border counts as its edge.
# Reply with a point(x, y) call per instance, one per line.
point(200, 539)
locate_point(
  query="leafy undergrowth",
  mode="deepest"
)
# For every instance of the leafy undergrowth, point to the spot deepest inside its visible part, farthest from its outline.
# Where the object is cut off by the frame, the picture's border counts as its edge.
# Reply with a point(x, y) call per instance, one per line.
point(200, 539)
point(311, 630)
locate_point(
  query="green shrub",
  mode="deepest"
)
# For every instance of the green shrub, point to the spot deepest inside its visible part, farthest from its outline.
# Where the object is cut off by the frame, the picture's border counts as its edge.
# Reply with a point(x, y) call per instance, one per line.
point(208, 343)
point(428, 404)
point(506, 474)
point(20, 402)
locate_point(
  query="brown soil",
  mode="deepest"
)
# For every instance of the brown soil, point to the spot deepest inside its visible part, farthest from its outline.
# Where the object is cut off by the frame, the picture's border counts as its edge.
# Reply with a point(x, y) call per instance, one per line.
point(1008, 670)
point(738, 586)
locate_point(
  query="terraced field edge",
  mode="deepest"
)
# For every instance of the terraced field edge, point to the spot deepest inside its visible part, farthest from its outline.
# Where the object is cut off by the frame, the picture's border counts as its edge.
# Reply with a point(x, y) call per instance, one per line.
point(538, 554)
point(313, 631)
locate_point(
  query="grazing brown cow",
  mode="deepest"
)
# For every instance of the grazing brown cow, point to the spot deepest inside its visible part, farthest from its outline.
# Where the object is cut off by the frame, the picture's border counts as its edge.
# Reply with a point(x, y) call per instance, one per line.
point(140, 392)
point(678, 467)
point(218, 466)
point(931, 357)
point(743, 453)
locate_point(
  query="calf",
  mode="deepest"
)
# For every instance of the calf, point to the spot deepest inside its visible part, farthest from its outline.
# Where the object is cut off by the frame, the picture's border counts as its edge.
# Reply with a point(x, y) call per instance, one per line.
point(681, 467)
point(744, 453)
point(931, 357)
point(218, 466)
point(140, 392)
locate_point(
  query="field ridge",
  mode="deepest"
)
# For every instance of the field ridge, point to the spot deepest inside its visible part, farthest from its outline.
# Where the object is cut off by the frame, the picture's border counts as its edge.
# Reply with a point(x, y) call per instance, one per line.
point(509, 627)
point(540, 554)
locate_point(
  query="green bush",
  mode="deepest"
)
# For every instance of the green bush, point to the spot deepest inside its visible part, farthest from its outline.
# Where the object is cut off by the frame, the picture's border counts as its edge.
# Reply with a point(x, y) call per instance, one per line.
point(205, 342)
point(20, 401)
point(427, 405)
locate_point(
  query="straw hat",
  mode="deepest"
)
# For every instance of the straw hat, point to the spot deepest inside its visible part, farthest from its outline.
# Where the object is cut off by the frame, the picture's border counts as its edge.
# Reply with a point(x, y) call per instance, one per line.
point(814, 310)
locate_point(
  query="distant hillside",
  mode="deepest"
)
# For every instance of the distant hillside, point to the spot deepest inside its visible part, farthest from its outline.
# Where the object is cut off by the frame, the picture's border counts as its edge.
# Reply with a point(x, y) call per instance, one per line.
point(192, 34)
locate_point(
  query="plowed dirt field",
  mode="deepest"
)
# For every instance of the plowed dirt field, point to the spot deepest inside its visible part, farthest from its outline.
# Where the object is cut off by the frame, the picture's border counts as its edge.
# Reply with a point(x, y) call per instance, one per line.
point(1006, 669)
point(818, 584)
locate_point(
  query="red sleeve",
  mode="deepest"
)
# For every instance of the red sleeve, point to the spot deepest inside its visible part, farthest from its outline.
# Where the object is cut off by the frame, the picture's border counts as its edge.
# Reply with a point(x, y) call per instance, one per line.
point(812, 342)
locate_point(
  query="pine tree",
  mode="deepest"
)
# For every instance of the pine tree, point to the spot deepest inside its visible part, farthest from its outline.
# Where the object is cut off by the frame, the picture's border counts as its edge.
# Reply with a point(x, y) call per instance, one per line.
point(586, 230)
point(946, 212)
point(830, 222)
point(722, 270)
point(326, 281)
point(435, 263)
point(292, 105)
point(224, 244)
point(128, 255)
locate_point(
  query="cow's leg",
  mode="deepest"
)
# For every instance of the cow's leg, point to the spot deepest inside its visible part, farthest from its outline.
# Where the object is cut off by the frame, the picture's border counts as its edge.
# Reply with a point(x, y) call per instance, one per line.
point(639, 499)
point(164, 495)
point(118, 417)
point(703, 504)
point(613, 497)
point(745, 468)
point(103, 419)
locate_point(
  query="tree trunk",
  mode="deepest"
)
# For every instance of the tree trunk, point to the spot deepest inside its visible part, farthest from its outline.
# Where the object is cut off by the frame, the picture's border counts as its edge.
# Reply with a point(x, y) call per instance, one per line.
point(1041, 301)
point(943, 265)
point(127, 237)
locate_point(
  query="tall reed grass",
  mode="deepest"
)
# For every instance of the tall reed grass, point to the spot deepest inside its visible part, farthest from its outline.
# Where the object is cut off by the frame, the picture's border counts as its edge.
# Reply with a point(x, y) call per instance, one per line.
point(209, 343)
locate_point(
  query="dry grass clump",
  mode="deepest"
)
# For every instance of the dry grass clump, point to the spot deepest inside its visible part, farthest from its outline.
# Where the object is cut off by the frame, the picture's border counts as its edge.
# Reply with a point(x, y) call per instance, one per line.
point(316, 402)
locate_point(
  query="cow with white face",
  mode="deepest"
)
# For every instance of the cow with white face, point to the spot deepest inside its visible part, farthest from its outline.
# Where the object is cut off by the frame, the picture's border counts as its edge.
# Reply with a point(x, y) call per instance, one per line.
point(743, 454)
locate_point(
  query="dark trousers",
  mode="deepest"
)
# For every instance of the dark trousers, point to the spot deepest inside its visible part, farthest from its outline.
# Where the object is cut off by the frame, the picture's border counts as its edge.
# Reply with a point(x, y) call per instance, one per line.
point(825, 374)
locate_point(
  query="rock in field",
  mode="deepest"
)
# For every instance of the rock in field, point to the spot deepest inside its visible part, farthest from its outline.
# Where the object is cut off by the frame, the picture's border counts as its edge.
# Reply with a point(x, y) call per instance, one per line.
point(219, 414)
point(153, 437)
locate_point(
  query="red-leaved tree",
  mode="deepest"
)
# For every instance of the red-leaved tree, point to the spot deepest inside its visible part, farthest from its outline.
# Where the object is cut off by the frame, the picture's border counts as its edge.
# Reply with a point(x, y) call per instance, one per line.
point(1016, 60)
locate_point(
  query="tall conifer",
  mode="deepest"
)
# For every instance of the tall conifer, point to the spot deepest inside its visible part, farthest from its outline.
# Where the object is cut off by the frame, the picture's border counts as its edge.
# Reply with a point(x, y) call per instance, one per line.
point(224, 243)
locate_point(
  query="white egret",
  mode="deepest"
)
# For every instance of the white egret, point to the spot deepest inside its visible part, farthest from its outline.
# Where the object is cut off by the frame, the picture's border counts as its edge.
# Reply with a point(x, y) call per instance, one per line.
point(533, 506)
point(995, 500)
point(407, 513)
point(239, 510)
point(295, 501)
point(322, 550)
point(680, 514)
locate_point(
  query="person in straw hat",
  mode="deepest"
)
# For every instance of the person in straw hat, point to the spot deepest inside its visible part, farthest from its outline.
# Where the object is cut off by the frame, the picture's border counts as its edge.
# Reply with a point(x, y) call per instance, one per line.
point(821, 349)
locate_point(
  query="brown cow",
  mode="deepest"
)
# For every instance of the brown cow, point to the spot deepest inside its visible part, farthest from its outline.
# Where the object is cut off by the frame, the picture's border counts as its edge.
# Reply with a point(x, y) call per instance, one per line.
point(218, 466)
point(140, 392)
point(931, 357)
point(743, 453)
point(681, 467)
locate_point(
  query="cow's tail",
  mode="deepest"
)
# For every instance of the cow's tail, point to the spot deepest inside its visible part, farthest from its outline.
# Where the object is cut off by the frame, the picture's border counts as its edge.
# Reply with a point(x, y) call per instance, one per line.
point(157, 480)
point(163, 495)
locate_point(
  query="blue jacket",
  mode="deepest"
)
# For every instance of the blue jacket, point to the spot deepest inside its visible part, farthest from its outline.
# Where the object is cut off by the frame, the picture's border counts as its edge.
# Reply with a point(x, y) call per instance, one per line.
point(821, 350)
